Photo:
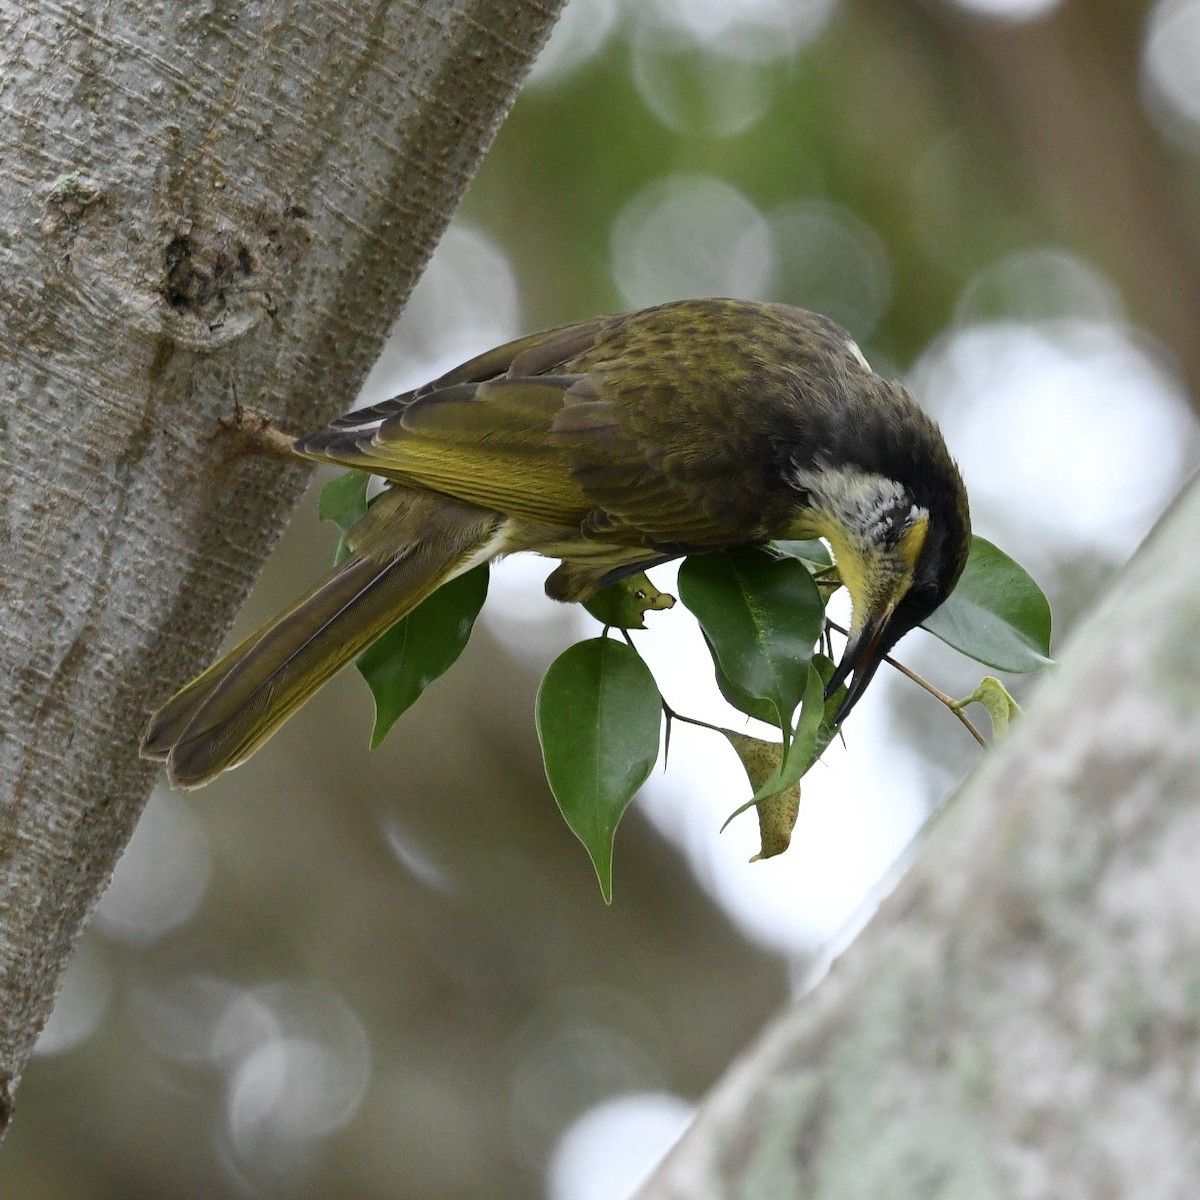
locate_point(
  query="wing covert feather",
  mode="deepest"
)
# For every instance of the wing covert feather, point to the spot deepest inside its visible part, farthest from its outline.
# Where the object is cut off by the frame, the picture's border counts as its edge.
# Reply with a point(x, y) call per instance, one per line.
point(535, 354)
point(486, 443)
point(643, 470)
point(600, 425)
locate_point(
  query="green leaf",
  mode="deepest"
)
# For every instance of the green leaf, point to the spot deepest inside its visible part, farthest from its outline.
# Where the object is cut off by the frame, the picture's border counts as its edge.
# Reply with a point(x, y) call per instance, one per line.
point(344, 501)
point(803, 751)
point(599, 718)
point(996, 615)
point(401, 664)
point(807, 746)
point(752, 706)
point(998, 701)
point(623, 604)
point(826, 729)
point(813, 551)
point(762, 616)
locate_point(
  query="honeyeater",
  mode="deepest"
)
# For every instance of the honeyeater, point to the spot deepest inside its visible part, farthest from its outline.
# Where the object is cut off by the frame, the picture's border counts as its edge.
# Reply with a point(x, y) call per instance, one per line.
point(612, 445)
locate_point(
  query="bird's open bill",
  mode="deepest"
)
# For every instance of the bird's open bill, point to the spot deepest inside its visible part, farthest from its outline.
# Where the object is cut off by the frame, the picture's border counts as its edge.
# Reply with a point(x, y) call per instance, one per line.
point(865, 650)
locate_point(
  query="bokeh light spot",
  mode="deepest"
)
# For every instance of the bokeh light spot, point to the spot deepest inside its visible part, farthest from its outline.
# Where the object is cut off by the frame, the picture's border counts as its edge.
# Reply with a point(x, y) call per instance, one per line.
point(179, 1018)
point(1070, 427)
point(690, 235)
point(694, 89)
point(755, 30)
point(580, 1048)
point(82, 1002)
point(414, 858)
point(302, 1075)
point(465, 303)
point(1010, 10)
point(580, 33)
point(610, 1151)
point(162, 876)
point(1042, 283)
point(833, 262)
point(290, 1089)
point(1171, 70)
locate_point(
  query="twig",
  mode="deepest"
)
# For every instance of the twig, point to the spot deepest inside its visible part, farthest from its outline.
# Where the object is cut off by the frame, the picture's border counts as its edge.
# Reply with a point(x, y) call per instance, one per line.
point(247, 432)
point(936, 693)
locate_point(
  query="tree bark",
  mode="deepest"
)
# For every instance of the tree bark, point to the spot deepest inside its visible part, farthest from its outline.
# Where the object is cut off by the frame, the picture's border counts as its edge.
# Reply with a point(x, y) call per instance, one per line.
point(1020, 1017)
point(201, 205)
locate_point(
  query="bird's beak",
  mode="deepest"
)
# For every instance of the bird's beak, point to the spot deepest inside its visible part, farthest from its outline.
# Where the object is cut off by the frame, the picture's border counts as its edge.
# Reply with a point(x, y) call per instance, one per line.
point(862, 656)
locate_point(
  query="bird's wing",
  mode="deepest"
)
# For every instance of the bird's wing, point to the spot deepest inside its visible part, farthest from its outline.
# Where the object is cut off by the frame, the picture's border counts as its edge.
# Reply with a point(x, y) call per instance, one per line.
point(559, 427)
point(675, 467)
point(536, 354)
point(485, 443)
point(480, 432)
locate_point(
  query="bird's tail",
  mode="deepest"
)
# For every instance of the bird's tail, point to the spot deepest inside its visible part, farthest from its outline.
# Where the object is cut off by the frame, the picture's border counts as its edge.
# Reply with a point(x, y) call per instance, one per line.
point(407, 546)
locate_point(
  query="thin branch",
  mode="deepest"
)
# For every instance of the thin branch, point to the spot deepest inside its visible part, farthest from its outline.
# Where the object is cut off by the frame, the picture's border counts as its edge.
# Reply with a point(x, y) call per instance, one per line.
point(936, 693)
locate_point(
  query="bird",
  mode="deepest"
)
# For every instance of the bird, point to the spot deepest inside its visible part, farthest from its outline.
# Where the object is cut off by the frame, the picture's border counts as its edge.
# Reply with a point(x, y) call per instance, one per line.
point(611, 444)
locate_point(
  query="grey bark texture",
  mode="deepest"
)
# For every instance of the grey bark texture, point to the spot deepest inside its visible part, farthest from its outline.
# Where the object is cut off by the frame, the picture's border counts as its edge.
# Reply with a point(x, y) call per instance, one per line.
point(1020, 1018)
point(200, 204)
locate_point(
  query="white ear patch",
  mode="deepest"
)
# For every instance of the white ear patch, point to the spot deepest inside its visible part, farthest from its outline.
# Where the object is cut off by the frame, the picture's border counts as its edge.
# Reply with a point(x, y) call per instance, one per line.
point(859, 501)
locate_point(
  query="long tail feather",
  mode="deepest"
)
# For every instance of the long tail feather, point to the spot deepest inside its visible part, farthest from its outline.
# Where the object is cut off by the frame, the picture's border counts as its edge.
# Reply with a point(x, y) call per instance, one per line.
point(225, 714)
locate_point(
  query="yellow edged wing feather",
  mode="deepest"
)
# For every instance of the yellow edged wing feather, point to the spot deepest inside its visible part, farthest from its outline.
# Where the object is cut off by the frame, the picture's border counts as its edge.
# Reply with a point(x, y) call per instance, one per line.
point(486, 444)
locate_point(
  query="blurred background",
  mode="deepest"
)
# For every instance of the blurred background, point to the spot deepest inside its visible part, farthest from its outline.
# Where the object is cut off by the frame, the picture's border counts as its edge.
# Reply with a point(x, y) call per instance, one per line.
point(390, 974)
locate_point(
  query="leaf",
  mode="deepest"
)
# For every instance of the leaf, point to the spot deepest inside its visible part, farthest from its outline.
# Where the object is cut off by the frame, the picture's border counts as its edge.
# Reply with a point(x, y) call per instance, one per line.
point(777, 813)
point(762, 616)
point(776, 819)
point(826, 729)
point(401, 664)
point(344, 501)
point(811, 551)
point(623, 604)
point(997, 614)
point(599, 717)
point(803, 751)
point(807, 746)
point(752, 706)
point(995, 697)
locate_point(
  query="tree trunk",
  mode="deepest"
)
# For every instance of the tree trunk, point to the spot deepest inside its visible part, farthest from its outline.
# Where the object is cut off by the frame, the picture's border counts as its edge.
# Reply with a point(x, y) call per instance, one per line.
point(201, 205)
point(1020, 1018)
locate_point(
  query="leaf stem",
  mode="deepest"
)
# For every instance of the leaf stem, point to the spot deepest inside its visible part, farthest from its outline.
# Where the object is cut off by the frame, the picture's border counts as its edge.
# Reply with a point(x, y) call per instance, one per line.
point(672, 715)
point(936, 693)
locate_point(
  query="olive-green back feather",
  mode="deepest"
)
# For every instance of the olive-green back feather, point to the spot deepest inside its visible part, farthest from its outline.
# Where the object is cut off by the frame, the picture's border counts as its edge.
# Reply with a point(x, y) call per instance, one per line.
point(646, 428)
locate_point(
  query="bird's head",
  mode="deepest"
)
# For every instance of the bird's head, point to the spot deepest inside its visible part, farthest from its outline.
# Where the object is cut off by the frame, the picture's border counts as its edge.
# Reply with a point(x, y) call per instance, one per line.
point(899, 548)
